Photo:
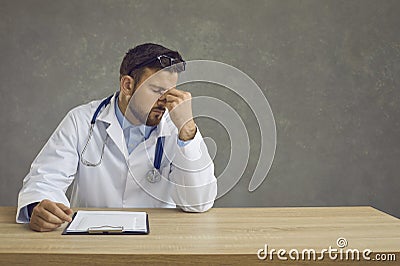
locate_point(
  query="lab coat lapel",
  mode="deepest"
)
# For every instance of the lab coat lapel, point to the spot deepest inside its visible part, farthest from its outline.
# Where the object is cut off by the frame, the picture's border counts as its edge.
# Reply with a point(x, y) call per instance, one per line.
point(141, 160)
point(166, 126)
point(114, 130)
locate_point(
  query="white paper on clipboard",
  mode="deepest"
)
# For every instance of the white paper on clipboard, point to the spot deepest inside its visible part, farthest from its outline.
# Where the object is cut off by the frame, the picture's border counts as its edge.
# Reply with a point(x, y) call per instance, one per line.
point(108, 220)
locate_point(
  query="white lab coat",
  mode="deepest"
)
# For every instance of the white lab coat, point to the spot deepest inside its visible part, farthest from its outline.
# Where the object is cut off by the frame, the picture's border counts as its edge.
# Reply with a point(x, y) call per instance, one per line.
point(188, 172)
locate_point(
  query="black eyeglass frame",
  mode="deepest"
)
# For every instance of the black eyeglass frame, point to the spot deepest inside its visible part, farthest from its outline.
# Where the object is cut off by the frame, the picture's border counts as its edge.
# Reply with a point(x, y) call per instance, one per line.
point(172, 61)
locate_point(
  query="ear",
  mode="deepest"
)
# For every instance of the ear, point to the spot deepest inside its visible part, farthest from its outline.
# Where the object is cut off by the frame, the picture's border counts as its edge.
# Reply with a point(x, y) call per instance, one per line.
point(127, 84)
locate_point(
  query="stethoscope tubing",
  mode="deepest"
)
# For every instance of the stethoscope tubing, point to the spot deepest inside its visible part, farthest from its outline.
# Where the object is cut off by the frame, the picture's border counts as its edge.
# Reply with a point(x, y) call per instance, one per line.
point(159, 150)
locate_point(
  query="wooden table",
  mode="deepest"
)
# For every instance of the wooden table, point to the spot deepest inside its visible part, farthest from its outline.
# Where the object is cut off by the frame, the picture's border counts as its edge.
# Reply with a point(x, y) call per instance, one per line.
point(219, 236)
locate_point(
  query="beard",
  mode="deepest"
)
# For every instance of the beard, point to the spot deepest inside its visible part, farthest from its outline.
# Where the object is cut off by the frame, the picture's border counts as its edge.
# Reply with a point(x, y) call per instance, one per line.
point(149, 118)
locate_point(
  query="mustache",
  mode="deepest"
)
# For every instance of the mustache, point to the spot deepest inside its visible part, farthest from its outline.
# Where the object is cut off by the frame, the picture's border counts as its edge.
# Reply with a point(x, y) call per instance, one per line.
point(159, 108)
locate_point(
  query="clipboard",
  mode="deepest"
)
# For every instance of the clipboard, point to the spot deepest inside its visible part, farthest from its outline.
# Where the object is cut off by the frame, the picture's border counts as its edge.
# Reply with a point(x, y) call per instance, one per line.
point(107, 229)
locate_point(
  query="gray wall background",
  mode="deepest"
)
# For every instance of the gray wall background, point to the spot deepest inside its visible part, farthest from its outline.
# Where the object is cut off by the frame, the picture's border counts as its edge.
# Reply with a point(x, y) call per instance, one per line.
point(330, 70)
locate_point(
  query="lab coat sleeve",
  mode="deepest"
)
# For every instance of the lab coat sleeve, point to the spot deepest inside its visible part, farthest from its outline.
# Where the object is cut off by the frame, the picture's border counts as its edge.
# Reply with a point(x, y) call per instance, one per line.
point(53, 169)
point(195, 186)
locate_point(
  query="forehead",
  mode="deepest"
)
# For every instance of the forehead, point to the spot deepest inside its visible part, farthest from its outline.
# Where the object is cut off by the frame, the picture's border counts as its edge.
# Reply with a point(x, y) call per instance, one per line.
point(160, 78)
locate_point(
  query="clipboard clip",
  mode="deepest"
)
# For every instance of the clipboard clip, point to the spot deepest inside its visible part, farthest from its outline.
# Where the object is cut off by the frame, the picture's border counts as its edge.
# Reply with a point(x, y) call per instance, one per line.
point(106, 229)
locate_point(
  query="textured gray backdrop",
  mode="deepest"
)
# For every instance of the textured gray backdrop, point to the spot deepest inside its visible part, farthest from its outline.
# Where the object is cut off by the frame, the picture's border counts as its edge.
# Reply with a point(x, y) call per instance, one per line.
point(330, 70)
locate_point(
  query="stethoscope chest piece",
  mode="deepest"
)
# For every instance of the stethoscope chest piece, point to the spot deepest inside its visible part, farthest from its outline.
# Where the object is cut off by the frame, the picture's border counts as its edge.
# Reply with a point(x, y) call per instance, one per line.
point(153, 176)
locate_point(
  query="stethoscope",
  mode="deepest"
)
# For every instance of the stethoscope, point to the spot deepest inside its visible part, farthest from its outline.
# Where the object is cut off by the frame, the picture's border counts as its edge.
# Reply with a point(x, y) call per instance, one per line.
point(153, 175)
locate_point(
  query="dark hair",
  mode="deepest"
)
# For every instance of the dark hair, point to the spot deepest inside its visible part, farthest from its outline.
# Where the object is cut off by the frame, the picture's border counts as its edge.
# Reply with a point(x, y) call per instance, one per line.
point(142, 53)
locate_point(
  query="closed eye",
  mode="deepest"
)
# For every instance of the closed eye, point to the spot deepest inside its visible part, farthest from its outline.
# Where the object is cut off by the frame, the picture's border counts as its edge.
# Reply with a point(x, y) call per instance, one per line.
point(161, 92)
point(157, 89)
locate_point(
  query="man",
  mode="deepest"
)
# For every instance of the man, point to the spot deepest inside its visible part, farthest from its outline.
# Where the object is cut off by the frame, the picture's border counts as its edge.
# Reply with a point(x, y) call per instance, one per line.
point(138, 148)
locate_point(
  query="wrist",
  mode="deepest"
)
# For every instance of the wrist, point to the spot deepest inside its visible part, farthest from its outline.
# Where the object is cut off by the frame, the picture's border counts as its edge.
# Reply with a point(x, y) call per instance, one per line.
point(188, 131)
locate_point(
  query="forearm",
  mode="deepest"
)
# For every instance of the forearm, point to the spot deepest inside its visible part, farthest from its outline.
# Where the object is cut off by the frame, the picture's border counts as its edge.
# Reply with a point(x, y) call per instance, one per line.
point(195, 185)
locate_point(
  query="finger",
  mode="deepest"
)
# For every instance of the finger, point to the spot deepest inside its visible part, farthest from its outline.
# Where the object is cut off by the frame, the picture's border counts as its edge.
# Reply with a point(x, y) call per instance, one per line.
point(48, 216)
point(163, 97)
point(174, 101)
point(170, 105)
point(178, 93)
point(57, 211)
point(35, 227)
point(173, 91)
point(38, 224)
point(65, 209)
point(173, 98)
